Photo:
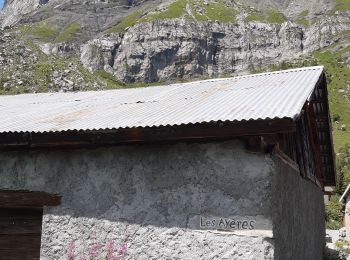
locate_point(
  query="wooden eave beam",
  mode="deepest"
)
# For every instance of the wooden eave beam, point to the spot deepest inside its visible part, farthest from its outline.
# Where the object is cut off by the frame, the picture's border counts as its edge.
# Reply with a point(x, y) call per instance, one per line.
point(9, 198)
point(146, 135)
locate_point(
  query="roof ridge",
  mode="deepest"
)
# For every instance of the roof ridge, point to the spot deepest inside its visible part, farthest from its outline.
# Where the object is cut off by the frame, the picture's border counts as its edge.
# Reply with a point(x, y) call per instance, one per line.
point(182, 83)
point(255, 75)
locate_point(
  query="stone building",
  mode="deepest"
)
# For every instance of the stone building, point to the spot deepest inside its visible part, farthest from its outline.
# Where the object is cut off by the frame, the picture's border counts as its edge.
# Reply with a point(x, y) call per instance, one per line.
point(217, 169)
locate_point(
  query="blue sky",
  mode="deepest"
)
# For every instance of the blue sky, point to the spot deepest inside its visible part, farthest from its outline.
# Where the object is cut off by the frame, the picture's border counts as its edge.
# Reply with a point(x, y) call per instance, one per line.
point(1, 3)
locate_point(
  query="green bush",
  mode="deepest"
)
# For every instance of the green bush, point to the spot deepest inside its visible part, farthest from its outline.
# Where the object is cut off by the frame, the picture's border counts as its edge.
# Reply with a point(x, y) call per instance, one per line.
point(341, 244)
point(333, 212)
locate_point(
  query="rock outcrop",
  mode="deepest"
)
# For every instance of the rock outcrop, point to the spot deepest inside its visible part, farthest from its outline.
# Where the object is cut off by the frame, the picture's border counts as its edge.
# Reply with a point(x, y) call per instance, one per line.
point(179, 48)
point(160, 50)
point(14, 10)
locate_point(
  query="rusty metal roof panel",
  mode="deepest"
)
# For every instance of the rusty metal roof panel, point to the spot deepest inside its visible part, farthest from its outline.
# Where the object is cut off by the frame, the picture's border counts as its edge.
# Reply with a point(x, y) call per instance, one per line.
point(280, 94)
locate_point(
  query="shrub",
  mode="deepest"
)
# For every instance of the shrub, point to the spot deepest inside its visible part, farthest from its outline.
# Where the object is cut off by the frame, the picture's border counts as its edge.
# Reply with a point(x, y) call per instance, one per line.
point(334, 213)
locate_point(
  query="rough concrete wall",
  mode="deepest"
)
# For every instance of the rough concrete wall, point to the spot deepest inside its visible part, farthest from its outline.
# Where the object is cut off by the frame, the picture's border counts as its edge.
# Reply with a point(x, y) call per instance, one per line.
point(154, 195)
point(298, 215)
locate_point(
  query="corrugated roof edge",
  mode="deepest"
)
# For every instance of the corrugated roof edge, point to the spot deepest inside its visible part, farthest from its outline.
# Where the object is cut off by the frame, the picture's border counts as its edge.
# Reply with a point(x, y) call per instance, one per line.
point(256, 75)
point(144, 127)
point(141, 127)
point(194, 82)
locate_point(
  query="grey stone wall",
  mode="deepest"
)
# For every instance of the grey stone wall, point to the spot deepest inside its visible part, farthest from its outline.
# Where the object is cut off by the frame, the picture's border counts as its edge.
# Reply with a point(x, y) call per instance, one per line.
point(298, 215)
point(155, 195)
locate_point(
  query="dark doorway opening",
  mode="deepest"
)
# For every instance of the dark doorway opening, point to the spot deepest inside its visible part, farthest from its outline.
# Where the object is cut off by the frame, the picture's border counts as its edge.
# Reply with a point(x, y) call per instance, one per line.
point(20, 233)
point(21, 215)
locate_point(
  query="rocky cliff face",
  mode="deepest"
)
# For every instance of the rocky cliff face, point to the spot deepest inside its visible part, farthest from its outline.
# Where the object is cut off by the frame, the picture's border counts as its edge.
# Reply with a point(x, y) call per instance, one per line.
point(14, 10)
point(160, 50)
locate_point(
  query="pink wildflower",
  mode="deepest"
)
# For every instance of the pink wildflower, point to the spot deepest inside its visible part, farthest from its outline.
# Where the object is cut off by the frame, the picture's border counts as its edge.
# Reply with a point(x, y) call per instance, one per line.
point(110, 249)
point(70, 251)
point(122, 249)
point(94, 250)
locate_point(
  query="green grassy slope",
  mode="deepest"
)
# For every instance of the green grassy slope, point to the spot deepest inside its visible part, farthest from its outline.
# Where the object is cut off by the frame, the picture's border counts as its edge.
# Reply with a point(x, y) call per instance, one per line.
point(217, 11)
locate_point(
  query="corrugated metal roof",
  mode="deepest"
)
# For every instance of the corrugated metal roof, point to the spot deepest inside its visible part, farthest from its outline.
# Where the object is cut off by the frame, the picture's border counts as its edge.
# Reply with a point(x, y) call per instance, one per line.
point(272, 95)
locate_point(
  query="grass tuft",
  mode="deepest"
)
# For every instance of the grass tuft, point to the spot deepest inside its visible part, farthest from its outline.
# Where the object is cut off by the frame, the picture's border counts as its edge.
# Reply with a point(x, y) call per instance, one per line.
point(42, 76)
point(342, 5)
point(220, 12)
point(303, 21)
point(274, 16)
point(109, 79)
point(42, 31)
point(255, 17)
point(174, 10)
point(304, 13)
point(302, 18)
point(68, 33)
point(128, 21)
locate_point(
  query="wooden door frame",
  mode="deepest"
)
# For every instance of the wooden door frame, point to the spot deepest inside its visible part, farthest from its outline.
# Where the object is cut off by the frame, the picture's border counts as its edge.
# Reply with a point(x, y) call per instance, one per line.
point(25, 198)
